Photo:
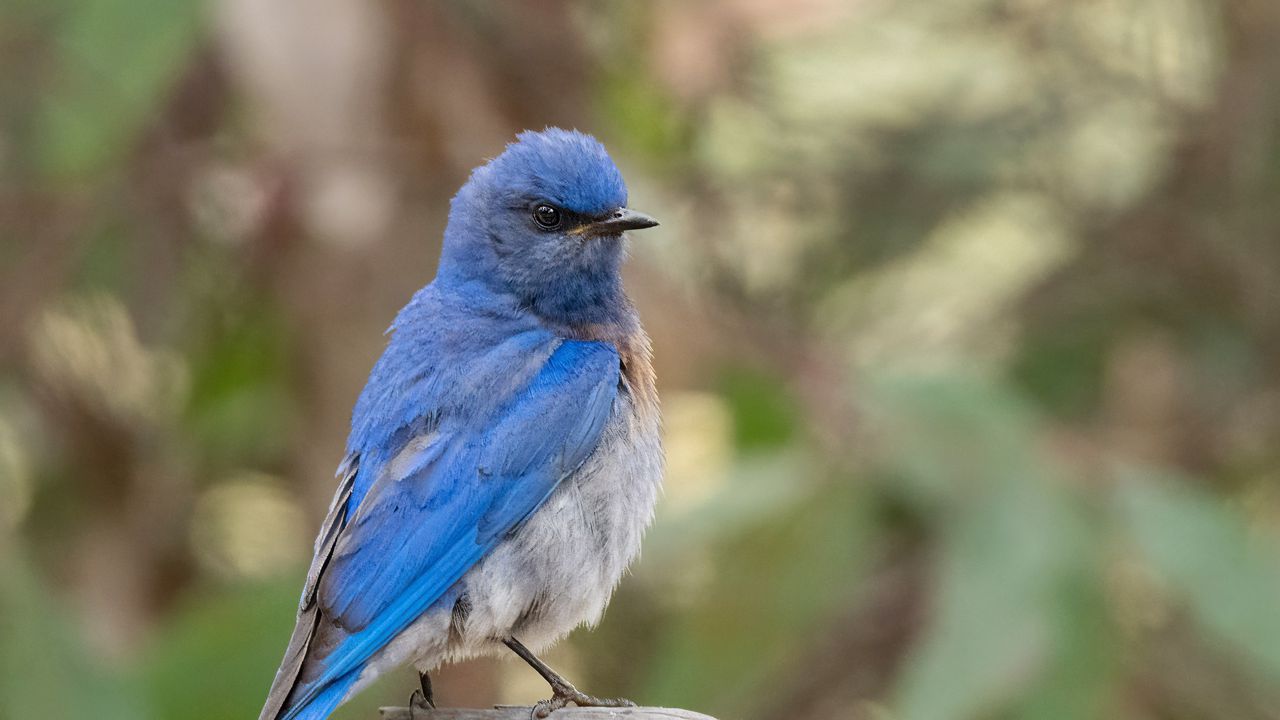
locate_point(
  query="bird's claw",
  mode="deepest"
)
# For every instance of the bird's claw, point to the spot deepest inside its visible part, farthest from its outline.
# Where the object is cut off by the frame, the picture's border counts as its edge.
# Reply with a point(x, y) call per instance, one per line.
point(563, 695)
point(419, 703)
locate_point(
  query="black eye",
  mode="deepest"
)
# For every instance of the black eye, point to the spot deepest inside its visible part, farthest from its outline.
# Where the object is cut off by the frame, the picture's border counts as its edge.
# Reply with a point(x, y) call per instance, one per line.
point(547, 216)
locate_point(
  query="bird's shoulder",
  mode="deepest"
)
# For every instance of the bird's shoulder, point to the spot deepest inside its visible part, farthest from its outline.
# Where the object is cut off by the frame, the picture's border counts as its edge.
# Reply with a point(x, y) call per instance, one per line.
point(628, 338)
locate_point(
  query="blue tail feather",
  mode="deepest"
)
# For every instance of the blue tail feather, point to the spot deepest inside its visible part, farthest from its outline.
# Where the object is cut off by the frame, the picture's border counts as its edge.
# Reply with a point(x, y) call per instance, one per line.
point(325, 702)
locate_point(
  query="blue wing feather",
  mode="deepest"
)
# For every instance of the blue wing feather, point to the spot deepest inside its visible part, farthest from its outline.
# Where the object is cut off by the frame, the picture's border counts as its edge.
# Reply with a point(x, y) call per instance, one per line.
point(410, 537)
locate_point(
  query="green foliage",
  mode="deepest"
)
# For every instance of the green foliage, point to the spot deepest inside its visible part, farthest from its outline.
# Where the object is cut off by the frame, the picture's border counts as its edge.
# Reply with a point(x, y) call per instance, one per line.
point(1062, 367)
point(787, 551)
point(45, 669)
point(188, 671)
point(115, 60)
point(1228, 574)
point(1017, 575)
point(239, 406)
point(645, 119)
point(764, 416)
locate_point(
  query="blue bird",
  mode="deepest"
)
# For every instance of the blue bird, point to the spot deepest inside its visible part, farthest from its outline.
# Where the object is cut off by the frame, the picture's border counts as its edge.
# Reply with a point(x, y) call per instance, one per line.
point(504, 457)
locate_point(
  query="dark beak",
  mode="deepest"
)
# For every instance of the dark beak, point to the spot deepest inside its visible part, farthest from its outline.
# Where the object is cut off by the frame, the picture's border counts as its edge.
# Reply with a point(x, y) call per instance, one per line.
point(620, 221)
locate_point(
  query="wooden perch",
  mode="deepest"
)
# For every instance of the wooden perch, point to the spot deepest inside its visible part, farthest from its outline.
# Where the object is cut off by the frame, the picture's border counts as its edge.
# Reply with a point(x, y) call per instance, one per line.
point(522, 712)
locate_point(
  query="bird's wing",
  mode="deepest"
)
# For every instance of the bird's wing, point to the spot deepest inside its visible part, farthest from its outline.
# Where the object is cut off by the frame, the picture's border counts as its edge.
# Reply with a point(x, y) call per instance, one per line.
point(308, 613)
point(445, 498)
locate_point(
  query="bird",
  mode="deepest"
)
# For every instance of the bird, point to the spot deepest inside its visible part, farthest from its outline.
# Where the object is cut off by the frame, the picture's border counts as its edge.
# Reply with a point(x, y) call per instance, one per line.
point(504, 458)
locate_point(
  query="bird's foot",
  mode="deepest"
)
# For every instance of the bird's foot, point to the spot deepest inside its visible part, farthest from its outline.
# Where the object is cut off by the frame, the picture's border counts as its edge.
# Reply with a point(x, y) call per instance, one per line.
point(422, 699)
point(419, 705)
point(420, 702)
point(564, 693)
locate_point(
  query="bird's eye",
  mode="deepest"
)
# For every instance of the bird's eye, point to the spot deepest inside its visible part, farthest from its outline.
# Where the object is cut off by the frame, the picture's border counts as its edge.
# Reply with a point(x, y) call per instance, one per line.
point(547, 216)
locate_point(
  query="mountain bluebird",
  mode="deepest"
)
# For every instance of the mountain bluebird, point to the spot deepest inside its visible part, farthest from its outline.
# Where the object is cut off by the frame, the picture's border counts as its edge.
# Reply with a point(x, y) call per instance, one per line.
point(504, 457)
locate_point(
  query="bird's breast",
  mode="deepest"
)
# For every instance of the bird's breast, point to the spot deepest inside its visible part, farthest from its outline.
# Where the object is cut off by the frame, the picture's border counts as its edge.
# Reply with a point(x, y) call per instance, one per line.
point(558, 570)
point(635, 352)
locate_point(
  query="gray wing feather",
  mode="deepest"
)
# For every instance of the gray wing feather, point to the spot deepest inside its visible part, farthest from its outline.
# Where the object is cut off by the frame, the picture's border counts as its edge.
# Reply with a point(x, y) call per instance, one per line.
point(308, 612)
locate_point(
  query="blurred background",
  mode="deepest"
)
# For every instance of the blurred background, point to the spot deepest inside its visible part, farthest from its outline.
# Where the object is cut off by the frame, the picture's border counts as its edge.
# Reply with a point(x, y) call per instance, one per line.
point(965, 314)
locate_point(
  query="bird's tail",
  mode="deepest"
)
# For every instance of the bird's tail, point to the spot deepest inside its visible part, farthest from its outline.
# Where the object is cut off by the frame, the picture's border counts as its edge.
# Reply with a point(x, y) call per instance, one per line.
point(324, 703)
point(288, 685)
point(285, 699)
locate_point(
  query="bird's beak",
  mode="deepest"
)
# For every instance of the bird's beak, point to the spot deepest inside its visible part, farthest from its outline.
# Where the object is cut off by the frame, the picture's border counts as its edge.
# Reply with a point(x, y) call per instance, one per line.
point(619, 221)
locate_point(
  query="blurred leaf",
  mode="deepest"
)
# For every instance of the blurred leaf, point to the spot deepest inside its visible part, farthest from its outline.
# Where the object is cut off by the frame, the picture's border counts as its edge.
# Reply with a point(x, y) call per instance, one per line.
point(1014, 580)
point(764, 415)
point(240, 406)
point(215, 658)
point(45, 672)
point(1229, 576)
point(645, 122)
point(1082, 672)
point(950, 438)
point(108, 264)
point(643, 117)
point(1061, 364)
point(116, 59)
point(784, 567)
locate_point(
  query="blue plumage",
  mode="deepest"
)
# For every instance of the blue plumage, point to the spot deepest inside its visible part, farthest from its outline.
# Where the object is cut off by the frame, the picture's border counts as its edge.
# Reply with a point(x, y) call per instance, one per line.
point(566, 168)
point(505, 447)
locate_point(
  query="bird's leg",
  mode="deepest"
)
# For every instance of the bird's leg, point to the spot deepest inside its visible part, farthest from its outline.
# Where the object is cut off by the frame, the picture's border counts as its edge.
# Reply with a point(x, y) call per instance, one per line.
point(562, 691)
point(424, 683)
point(423, 698)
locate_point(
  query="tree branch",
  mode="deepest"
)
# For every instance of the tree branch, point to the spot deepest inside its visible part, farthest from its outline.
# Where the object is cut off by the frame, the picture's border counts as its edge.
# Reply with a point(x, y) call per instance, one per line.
point(522, 712)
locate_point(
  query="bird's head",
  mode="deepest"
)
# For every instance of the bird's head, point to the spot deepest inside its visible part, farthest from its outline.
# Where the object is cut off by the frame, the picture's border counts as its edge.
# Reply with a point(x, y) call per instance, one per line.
point(544, 221)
